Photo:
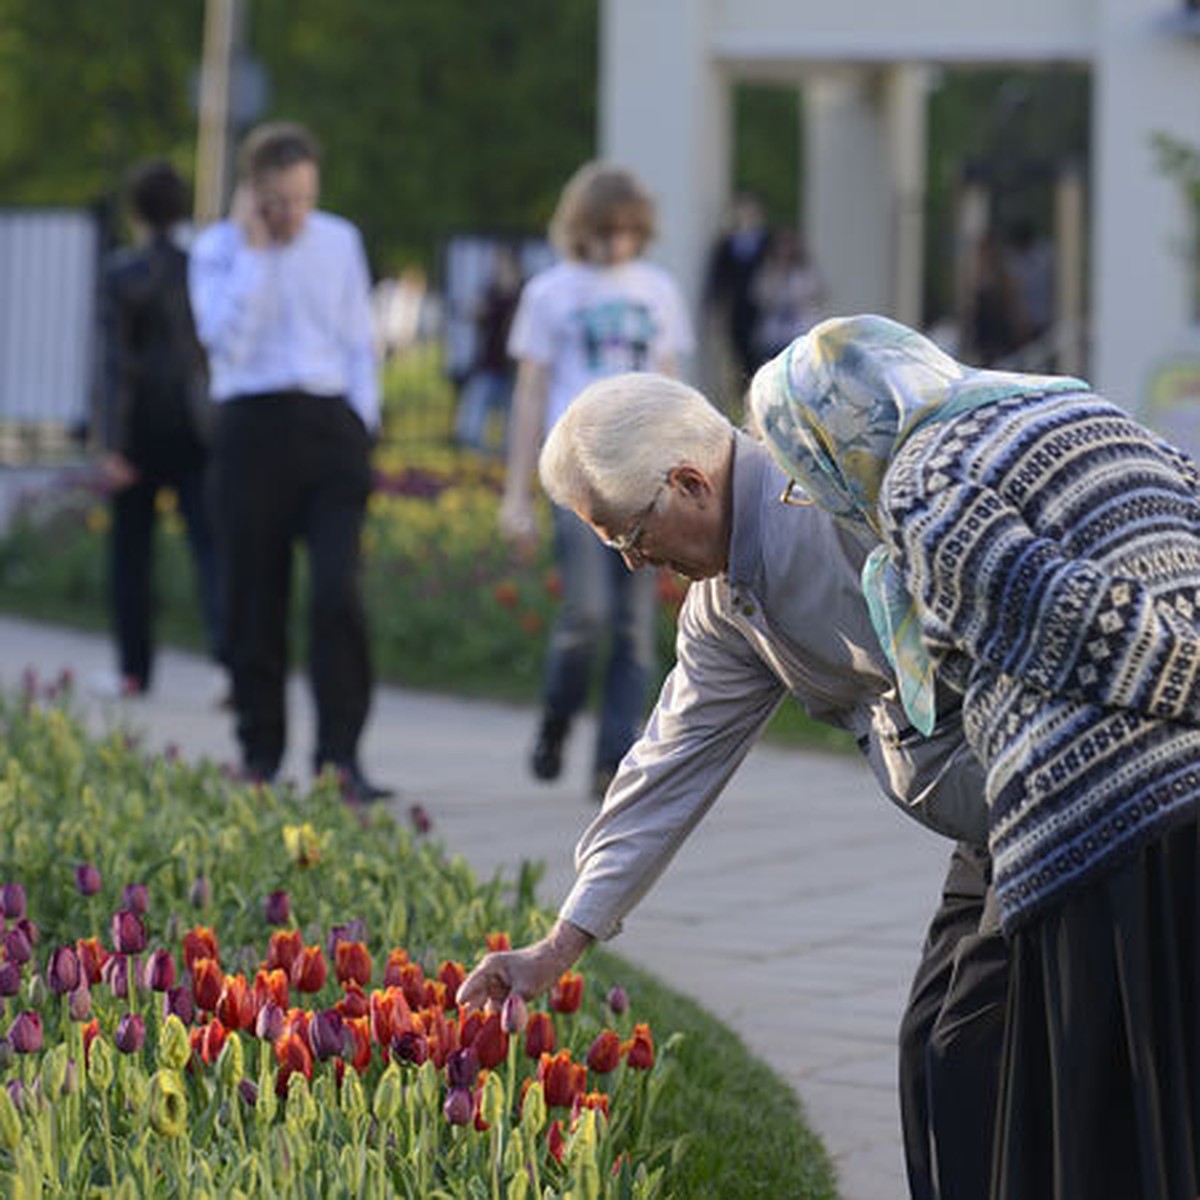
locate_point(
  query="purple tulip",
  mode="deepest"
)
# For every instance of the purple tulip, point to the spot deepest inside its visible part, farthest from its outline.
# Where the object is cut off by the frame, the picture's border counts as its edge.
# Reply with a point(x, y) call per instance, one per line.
point(410, 1047)
point(87, 879)
point(326, 1034)
point(12, 900)
point(128, 932)
point(351, 931)
point(460, 1106)
point(115, 973)
point(462, 1067)
point(25, 1033)
point(617, 1000)
point(514, 1015)
point(80, 1002)
point(10, 978)
point(420, 818)
point(160, 971)
point(180, 1002)
point(62, 972)
point(16, 946)
point(248, 1090)
point(131, 1033)
point(268, 1025)
point(16, 1092)
point(136, 899)
point(201, 893)
point(277, 908)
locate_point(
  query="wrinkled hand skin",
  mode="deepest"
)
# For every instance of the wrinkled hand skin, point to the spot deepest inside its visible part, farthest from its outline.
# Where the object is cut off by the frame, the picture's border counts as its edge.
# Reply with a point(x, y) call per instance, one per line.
point(528, 971)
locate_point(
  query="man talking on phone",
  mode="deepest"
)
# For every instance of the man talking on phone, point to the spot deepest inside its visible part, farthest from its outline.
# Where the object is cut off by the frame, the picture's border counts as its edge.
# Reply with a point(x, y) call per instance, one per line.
point(280, 292)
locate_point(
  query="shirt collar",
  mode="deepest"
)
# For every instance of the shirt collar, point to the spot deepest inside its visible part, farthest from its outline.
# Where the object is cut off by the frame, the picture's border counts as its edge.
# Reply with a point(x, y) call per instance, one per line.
point(753, 471)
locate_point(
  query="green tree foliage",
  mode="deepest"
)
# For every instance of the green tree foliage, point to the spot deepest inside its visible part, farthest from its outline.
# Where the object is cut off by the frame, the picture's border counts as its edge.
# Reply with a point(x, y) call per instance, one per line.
point(435, 115)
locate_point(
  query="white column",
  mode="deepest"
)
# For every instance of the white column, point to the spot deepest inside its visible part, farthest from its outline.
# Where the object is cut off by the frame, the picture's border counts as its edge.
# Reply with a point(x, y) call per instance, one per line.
point(664, 113)
point(849, 185)
point(906, 91)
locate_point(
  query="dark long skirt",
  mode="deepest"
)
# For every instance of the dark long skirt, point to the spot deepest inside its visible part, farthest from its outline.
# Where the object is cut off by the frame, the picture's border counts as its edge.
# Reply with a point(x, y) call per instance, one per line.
point(1099, 1082)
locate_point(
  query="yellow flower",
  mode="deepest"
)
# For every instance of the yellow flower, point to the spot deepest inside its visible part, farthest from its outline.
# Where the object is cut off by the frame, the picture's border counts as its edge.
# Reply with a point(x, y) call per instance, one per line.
point(168, 1104)
point(303, 844)
point(174, 1046)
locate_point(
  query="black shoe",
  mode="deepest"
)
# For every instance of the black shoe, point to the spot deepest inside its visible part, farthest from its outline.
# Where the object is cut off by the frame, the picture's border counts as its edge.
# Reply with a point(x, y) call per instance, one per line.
point(546, 760)
point(356, 787)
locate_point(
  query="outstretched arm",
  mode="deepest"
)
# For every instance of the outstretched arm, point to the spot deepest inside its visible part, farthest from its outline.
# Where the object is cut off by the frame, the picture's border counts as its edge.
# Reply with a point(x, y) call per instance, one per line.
point(528, 971)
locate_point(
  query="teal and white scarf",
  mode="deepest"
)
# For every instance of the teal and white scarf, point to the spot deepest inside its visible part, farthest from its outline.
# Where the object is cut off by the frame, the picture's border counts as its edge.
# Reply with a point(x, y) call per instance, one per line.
point(835, 408)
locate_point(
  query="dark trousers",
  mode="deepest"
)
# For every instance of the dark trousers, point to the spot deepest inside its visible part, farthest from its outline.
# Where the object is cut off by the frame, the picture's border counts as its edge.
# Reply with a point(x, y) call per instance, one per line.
point(289, 466)
point(132, 564)
point(951, 1039)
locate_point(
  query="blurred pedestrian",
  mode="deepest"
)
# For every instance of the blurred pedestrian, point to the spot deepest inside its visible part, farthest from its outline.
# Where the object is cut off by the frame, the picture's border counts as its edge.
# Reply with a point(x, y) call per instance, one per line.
point(789, 292)
point(487, 392)
point(729, 285)
point(995, 317)
point(602, 310)
point(154, 420)
point(282, 300)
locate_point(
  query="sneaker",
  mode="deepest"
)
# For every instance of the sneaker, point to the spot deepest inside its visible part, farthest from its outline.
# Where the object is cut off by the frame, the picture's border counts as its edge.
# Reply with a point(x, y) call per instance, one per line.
point(546, 760)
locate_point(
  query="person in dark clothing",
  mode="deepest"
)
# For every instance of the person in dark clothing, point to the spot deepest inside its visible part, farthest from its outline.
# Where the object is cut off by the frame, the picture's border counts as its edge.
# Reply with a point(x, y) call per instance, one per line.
point(152, 409)
point(729, 288)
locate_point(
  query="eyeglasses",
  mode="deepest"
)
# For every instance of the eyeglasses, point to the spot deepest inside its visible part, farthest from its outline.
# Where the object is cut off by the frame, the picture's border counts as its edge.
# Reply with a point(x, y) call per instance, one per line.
point(628, 543)
point(792, 495)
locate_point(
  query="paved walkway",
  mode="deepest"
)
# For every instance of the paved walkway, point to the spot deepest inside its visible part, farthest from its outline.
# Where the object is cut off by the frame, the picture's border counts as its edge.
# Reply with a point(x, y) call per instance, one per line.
point(794, 913)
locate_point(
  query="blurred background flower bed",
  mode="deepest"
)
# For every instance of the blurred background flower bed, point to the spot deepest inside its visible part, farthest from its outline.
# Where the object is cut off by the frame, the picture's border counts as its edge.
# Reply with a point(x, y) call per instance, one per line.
point(309, 954)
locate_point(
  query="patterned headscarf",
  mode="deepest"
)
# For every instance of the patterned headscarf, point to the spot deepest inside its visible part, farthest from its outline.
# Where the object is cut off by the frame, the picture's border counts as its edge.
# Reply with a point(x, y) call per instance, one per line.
point(835, 408)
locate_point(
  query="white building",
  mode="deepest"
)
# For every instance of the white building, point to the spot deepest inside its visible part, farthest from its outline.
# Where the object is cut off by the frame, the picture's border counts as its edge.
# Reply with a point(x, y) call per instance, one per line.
point(668, 68)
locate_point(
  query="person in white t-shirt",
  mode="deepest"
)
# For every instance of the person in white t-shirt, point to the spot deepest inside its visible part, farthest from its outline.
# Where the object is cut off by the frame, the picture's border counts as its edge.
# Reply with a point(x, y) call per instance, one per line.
point(601, 310)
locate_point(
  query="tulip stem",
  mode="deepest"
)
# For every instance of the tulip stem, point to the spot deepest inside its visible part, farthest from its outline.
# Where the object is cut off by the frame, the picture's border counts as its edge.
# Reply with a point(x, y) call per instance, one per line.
point(110, 1158)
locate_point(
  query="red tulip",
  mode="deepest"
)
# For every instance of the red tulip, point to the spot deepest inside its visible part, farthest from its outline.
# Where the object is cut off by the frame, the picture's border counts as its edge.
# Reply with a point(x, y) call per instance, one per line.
point(208, 1041)
point(309, 971)
point(208, 982)
point(396, 961)
point(539, 1035)
point(351, 960)
point(605, 1052)
point(412, 983)
point(283, 949)
point(390, 1015)
point(270, 986)
point(452, 975)
point(293, 1055)
point(483, 1033)
point(360, 1048)
point(561, 1079)
point(639, 1050)
point(92, 956)
point(498, 941)
point(354, 1002)
point(595, 1100)
point(235, 1005)
point(200, 942)
point(410, 1047)
point(567, 993)
point(555, 1142)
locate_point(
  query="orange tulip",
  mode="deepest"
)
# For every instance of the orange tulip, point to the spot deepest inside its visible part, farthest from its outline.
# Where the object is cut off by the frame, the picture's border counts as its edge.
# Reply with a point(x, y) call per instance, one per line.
point(354, 1002)
point(360, 1032)
point(605, 1052)
point(208, 981)
point(452, 975)
point(283, 949)
point(412, 981)
point(482, 1031)
point(639, 1050)
point(561, 1079)
point(596, 1100)
point(567, 993)
point(498, 941)
point(270, 984)
point(390, 1015)
point(91, 1031)
point(539, 1035)
point(92, 957)
point(200, 942)
point(396, 960)
point(351, 960)
point(235, 1005)
point(208, 1041)
point(309, 971)
point(292, 1054)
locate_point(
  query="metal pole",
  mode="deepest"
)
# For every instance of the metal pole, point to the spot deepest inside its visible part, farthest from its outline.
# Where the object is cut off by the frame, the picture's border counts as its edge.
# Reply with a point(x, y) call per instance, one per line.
point(216, 70)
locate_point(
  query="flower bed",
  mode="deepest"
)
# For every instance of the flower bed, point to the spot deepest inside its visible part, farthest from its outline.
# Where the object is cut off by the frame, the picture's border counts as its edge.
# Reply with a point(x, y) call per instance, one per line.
point(219, 989)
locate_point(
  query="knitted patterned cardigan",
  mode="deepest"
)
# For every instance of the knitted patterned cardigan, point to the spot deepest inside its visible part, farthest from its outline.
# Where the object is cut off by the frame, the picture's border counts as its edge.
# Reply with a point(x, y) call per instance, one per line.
point(1053, 546)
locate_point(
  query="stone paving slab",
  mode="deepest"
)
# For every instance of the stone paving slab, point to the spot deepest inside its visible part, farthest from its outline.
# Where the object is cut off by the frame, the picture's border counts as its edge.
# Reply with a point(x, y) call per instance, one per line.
point(795, 912)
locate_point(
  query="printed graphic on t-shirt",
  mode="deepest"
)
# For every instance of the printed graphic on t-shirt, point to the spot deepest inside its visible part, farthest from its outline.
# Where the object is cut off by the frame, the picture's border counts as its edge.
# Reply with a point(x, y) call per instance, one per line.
point(615, 336)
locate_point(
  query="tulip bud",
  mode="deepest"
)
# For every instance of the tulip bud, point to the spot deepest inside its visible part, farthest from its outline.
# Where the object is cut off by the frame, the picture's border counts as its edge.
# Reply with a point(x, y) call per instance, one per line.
point(326, 1035)
point(491, 1104)
point(10, 978)
point(268, 1025)
point(168, 1104)
point(514, 1015)
point(248, 1090)
point(428, 1085)
point(10, 1122)
point(25, 1033)
point(131, 1033)
point(100, 1064)
point(136, 899)
point(605, 1052)
point(174, 1045)
point(62, 972)
point(387, 1095)
point(12, 901)
point(179, 1000)
point(460, 1106)
point(533, 1110)
point(353, 1099)
point(160, 971)
point(410, 1047)
point(79, 1003)
point(54, 1072)
point(115, 973)
point(16, 946)
point(35, 991)
point(87, 879)
point(617, 1000)
point(231, 1064)
point(128, 932)
point(200, 895)
point(277, 908)
point(462, 1067)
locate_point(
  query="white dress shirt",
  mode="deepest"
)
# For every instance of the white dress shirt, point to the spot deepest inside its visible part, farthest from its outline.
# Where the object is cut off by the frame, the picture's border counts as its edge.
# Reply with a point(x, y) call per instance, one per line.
point(287, 317)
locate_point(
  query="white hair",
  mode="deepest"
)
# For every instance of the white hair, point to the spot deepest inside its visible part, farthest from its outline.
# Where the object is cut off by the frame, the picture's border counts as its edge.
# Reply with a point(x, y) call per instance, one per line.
point(620, 438)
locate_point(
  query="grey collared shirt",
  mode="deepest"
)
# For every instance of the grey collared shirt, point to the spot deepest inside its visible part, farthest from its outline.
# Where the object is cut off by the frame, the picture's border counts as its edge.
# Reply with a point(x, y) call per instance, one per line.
point(787, 618)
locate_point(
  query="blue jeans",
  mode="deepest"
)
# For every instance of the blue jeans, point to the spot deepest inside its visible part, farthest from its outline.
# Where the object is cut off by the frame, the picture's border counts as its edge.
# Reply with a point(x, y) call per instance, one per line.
point(484, 393)
point(600, 596)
